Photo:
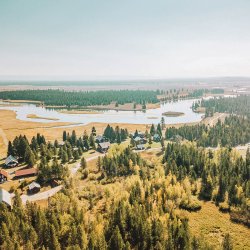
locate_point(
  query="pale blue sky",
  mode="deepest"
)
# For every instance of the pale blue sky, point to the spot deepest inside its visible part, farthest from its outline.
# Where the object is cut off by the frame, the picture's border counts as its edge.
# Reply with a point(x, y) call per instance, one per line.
point(78, 39)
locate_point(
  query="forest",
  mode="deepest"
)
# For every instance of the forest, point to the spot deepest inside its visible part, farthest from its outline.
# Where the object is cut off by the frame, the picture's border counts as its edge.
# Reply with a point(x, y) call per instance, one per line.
point(144, 216)
point(233, 131)
point(233, 105)
point(81, 98)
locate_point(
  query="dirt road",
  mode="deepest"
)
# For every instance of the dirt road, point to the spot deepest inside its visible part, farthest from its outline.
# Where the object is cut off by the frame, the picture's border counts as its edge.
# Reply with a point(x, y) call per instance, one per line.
point(46, 194)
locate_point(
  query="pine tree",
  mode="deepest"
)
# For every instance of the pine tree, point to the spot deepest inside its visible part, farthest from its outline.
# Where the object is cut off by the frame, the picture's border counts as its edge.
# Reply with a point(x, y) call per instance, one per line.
point(84, 163)
point(227, 243)
point(64, 136)
point(152, 130)
point(11, 150)
point(116, 241)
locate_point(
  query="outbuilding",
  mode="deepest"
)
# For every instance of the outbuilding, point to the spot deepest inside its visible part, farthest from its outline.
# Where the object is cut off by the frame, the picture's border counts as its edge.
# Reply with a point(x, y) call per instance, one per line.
point(34, 187)
point(25, 172)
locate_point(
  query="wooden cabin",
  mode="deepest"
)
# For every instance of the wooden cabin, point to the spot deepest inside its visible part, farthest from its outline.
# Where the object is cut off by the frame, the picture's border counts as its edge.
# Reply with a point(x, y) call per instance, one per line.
point(103, 147)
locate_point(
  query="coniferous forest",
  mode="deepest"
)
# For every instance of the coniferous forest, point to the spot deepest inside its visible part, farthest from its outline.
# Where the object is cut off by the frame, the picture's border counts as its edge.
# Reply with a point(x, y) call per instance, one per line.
point(80, 98)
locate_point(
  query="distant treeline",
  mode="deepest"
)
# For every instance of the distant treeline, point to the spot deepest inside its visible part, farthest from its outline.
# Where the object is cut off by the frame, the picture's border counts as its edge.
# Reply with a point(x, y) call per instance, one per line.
point(80, 98)
point(234, 131)
point(200, 92)
point(239, 105)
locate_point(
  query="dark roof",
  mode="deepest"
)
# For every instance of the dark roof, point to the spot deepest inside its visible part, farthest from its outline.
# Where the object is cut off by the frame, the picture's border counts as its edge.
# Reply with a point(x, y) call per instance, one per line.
point(104, 145)
point(9, 159)
point(27, 171)
point(4, 173)
point(5, 196)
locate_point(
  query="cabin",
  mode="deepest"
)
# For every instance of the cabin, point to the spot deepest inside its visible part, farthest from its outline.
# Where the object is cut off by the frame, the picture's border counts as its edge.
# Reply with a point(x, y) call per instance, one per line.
point(3, 176)
point(103, 147)
point(140, 140)
point(140, 147)
point(156, 138)
point(25, 173)
point(5, 197)
point(100, 138)
point(34, 187)
point(11, 161)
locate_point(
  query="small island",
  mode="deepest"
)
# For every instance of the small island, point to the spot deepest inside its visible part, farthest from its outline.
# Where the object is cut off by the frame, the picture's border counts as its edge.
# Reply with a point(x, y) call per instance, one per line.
point(172, 114)
point(34, 116)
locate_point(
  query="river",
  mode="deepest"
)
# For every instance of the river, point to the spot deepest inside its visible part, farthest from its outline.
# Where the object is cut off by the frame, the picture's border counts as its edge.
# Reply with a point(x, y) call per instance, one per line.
point(111, 116)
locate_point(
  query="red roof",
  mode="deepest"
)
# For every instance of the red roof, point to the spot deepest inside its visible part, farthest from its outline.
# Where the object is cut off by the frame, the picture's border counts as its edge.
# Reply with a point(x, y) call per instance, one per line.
point(4, 173)
point(23, 172)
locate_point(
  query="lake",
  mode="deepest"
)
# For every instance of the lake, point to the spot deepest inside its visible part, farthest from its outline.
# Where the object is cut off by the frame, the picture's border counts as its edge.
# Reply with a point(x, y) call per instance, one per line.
point(112, 116)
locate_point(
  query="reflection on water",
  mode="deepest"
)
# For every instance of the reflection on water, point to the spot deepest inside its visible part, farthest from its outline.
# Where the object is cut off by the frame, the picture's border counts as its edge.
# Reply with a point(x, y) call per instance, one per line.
point(112, 116)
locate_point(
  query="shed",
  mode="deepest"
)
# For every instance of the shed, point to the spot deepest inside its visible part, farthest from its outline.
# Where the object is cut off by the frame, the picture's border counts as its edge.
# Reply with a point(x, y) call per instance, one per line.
point(34, 187)
point(11, 161)
point(5, 197)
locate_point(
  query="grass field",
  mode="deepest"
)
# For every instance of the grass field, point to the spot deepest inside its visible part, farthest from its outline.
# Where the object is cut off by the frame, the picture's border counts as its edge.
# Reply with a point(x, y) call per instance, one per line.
point(213, 225)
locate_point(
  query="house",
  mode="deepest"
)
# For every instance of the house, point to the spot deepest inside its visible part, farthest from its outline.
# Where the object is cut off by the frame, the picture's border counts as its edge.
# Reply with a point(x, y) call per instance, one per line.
point(5, 197)
point(140, 140)
point(11, 161)
point(3, 176)
point(140, 147)
point(25, 172)
point(34, 187)
point(103, 147)
point(100, 138)
point(156, 138)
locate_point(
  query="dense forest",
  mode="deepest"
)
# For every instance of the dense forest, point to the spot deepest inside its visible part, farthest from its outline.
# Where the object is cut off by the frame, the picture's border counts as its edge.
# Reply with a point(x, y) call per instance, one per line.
point(80, 98)
point(233, 131)
point(144, 216)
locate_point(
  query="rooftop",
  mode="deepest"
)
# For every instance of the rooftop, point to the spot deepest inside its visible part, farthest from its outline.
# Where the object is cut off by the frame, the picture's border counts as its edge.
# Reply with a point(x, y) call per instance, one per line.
point(27, 171)
point(5, 196)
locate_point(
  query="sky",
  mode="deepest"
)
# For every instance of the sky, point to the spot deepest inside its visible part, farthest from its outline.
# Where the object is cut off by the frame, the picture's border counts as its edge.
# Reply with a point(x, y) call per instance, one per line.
point(123, 39)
